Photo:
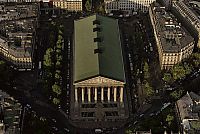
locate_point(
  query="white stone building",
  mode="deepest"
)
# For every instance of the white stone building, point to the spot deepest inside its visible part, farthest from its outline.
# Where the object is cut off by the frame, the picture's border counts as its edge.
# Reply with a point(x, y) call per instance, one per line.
point(127, 5)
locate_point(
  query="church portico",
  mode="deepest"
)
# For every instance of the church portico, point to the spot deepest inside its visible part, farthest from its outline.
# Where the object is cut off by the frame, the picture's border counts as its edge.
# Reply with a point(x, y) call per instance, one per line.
point(105, 94)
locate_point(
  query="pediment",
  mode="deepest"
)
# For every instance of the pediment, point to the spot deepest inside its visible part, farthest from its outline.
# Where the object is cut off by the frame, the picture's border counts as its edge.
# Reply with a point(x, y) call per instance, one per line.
point(99, 80)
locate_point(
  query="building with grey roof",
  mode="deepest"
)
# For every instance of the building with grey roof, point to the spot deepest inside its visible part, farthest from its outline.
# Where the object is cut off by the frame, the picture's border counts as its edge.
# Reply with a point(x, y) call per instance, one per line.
point(188, 113)
point(173, 41)
point(15, 11)
point(188, 12)
point(17, 37)
point(11, 111)
point(99, 91)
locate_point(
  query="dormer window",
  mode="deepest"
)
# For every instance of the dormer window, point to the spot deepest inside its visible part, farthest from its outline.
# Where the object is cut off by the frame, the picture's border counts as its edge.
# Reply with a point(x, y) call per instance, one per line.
point(97, 39)
point(96, 22)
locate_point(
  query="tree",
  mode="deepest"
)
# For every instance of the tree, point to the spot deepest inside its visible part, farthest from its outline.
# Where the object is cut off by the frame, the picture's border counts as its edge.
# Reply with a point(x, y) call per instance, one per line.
point(56, 89)
point(47, 57)
point(57, 76)
point(59, 58)
point(176, 94)
point(56, 101)
point(169, 119)
point(178, 72)
point(167, 77)
point(101, 9)
point(129, 131)
point(146, 70)
point(188, 68)
point(59, 42)
point(58, 64)
point(148, 89)
point(88, 5)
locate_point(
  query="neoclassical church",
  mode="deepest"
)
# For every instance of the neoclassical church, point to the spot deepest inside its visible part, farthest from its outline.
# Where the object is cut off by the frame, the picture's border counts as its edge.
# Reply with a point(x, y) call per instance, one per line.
point(99, 84)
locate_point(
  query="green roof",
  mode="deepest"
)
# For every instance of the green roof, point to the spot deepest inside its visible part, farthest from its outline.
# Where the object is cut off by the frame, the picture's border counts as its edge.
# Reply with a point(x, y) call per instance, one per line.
point(107, 63)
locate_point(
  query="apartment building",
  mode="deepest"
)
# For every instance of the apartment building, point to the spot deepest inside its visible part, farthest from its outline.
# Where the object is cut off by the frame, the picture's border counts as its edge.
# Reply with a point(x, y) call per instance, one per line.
point(17, 38)
point(15, 11)
point(70, 5)
point(173, 41)
point(188, 111)
point(188, 12)
point(10, 114)
point(127, 5)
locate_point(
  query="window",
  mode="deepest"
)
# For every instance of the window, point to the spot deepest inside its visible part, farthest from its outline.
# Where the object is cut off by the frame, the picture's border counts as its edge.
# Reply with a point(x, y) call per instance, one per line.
point(97, 51)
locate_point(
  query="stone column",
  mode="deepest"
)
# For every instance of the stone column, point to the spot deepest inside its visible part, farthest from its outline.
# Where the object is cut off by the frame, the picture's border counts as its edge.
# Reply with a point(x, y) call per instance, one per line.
point(102, 94)
point(82, 94)
point(89, 94)
point(121, 94)
point(108, 93)
point(76, 95)
point(115, 94)
point(95, 94)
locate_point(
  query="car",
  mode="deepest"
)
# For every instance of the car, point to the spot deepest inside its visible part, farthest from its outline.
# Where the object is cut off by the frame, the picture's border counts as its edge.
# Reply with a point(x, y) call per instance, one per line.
point(66, 129)
point(135, 122)
point(55, 128)
point(67, 92)
point(28, 106)
point(98, 130)
point(141, 115)
point(59, 106)
point(54, 120)
point(110, 14)
point(54, 16)
point(152, 114)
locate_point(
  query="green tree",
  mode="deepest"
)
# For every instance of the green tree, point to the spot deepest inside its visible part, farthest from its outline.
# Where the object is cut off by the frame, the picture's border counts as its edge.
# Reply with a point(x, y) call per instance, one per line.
point(58, 64)
point(129, 131)
point(178, 72)
point(47, 57)
point(59, 58)
point(88, 5)
point(56, 89)
point(176, 94)
point(167, 77)
point(56, 101)
point(146, 70)
point(58, 71)
point(59, 42)
point(169, 119)
point(148, 89)
point(57, 76)
point(188, 68)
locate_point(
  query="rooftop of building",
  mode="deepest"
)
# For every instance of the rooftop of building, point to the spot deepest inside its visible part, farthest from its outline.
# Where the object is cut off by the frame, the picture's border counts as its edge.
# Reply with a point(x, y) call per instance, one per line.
point(172, 35)
point(191, 9)
point(97, 49)
point(189, 111)
point(189, 106)
point(11, 111)
point(16, 11)
point(17, 37)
